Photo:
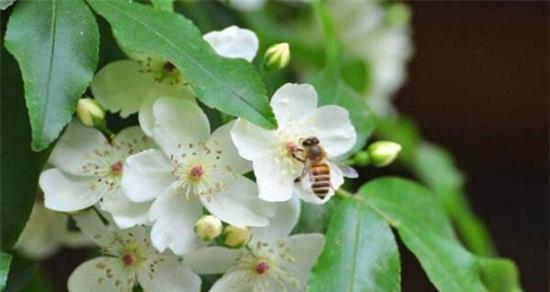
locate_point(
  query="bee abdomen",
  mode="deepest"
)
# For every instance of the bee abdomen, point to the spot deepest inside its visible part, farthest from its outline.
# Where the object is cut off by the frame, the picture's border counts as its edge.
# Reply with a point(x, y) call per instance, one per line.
point(321, 179)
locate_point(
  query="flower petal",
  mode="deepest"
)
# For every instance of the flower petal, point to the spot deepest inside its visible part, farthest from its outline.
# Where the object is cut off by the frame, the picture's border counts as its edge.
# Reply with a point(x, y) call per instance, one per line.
point(169, 276)
point(146, 175)
point(293, 101)
point(92, 276)
point(122, 86)
point(145, 116)
point(336, 134)
point(178, 122)
point(76, 143)
point(125, 213)
point(92, 226)
point(234, 42)
point(212, 260)
point(274, 183)
point(221, 141)
point(131, 140)
point(67, 193)
point(238, 203)
point(250, 139)
point(280, 225)
point(231, 282)
point(174, 217)
point(306, 249)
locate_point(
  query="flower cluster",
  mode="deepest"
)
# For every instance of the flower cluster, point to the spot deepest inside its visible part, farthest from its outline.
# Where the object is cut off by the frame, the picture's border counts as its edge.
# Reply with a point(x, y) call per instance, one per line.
point(172, 199)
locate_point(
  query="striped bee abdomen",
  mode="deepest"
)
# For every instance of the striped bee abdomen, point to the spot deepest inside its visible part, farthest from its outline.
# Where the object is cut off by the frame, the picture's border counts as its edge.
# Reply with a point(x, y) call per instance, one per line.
point(320, 173)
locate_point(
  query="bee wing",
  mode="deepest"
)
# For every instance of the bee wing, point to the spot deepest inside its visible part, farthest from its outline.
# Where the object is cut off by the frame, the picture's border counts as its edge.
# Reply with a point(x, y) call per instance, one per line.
point(347, 171)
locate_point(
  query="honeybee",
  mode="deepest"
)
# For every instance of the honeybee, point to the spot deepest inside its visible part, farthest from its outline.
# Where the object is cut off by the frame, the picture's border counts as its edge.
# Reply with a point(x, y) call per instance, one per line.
point(316, 166)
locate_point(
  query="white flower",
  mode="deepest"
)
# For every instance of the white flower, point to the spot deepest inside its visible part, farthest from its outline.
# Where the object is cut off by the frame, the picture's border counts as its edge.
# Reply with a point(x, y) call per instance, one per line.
point(194, 169)
point(130, 86)
point(366, 33)
point(271, 152)
point(46, 232)
point(271, 262)
point(87, 170)
point(128, 260)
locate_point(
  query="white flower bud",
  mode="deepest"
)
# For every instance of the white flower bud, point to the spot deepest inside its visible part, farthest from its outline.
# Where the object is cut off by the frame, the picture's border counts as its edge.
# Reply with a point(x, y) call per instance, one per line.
point(382, 153)
point(278, 55)
point(236, 236)
point(89, 112)
point(208, 227)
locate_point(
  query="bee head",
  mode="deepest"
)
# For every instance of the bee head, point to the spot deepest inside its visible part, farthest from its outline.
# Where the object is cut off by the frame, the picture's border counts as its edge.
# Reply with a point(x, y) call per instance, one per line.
point(310, 141)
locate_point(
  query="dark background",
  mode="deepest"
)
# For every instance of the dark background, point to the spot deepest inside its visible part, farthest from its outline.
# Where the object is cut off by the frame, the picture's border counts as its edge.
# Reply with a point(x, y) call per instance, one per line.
point(478, 84)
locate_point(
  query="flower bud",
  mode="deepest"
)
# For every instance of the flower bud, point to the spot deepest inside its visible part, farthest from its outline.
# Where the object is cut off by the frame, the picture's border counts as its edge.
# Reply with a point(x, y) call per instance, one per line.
point(236, 236)
point(90, 113)
point(208, 227)
point(361, 158)
point(278, 56)
point(382, 153)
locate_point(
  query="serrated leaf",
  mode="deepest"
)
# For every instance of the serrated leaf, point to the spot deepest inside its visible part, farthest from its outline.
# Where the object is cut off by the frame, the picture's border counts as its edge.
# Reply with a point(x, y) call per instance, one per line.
point(56, 44)
point(424, 228)
point(360, 253)
point(5, 262)
point(20, 166)
point(230, 85)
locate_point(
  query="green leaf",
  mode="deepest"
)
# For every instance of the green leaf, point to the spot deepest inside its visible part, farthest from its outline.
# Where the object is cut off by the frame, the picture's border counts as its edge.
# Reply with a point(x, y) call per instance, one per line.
point(20, 166)
point(315, 218)
point(500, 275)
point(56, 45)
point(332, 90)
point(21, 272)
point(5, 262)
point(424, 228)
point(166, 5)
point(356, 74)
point(435, 166)
point(230, 85)
point(360, 253)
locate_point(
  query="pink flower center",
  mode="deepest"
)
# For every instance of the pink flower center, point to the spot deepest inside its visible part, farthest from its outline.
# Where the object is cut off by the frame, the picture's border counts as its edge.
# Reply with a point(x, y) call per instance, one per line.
point(291, 148)
point(262, 267)
point(196, 172)
point(116, 167)
point(128, 260)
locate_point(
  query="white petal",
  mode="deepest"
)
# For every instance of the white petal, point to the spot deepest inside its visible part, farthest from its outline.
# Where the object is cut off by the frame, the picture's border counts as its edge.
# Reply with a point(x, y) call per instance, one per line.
point(221, 140)
point(130, 141)
point(120, 86)
point(66, 192)
point(231, 282)
point(212, 260)
point(234, 42)
point(336, 134)
point(238, 203)
point(303, 188)
point(250, 139)
point(280, 225)
point(145, 116)
point(169, 276)
point(91, 224)
point(293, 101)
point(146, 175)
point(125, 213)
point(174, 217)
point(89, 277)
point(178, 122)
point(306, 249)
point(77, 142)
point(274, 183)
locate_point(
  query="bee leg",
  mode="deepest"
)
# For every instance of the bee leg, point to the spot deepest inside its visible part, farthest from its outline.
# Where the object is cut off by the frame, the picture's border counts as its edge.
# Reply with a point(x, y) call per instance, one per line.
point(298, 158)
